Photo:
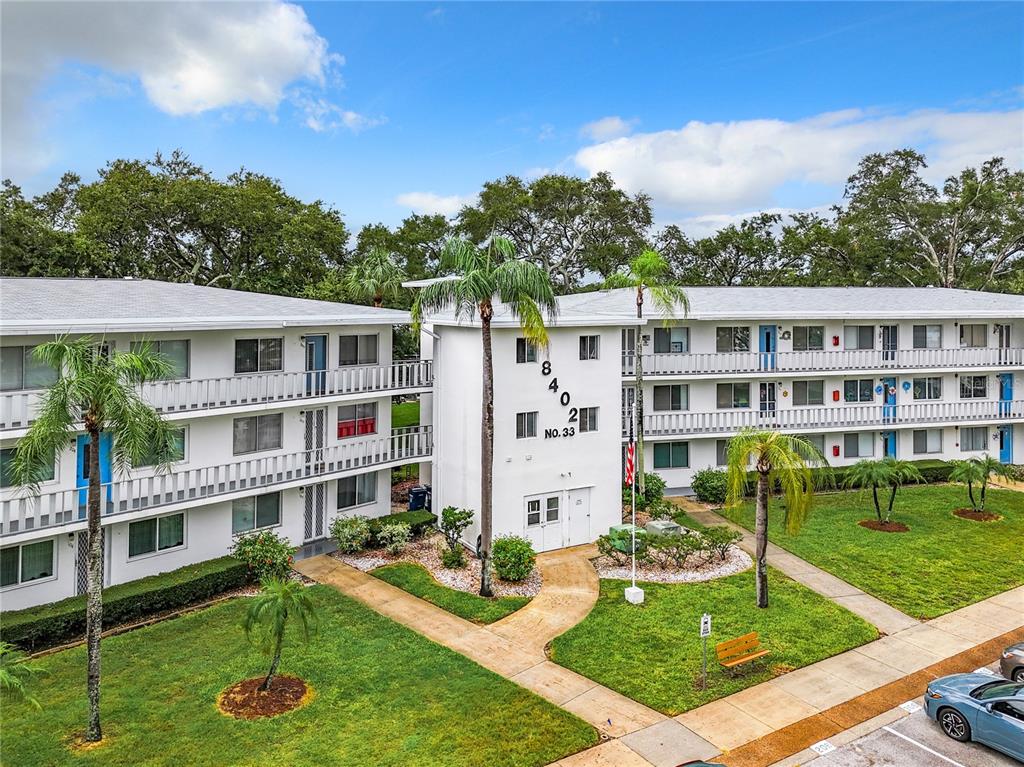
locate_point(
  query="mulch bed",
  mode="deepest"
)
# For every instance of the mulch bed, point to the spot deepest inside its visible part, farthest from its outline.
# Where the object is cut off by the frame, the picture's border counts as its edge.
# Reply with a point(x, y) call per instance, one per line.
point(884, 527)
point(245, 701)
point(977, 516)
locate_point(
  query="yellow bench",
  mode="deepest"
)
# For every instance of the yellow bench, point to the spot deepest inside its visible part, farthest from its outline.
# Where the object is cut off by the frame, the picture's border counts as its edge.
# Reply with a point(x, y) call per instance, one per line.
point(741, 650)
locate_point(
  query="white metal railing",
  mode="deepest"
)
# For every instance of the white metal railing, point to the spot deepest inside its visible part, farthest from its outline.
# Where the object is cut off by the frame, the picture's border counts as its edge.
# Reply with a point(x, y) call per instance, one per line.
point(18, 409)
point(206, 484)
point(804, 419)
point(798, 362)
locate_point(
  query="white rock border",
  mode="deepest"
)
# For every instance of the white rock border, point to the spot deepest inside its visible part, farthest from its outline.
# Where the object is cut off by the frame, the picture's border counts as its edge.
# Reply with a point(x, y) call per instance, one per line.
point(736, 561)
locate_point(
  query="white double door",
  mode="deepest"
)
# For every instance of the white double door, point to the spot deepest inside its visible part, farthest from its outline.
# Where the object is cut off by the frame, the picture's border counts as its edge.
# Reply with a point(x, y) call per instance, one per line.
point(558, 519)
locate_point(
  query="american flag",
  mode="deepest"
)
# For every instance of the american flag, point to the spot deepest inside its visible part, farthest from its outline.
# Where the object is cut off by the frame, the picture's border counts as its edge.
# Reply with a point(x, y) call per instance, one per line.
point(630, 455)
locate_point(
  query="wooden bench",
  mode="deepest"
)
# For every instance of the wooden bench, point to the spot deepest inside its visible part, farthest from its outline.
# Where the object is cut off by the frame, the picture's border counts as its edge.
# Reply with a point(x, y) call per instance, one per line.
point(736, 652)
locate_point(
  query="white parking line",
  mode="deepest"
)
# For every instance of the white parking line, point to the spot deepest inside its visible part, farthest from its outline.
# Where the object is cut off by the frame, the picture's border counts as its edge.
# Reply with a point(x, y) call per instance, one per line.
point(923, 747)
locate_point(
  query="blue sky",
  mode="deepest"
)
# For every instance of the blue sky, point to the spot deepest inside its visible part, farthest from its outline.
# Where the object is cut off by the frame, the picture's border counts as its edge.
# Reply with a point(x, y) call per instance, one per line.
point(716, 110)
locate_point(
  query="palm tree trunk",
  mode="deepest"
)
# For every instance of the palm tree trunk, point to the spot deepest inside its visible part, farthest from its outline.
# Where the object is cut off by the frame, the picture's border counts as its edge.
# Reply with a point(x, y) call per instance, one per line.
point(761, 539)
point(273, 664)
point(486, 452)
point(984, 486)
point(638, 366)
point(970, 494)
point(892, 500)
point(874, 495)
point(94, 587)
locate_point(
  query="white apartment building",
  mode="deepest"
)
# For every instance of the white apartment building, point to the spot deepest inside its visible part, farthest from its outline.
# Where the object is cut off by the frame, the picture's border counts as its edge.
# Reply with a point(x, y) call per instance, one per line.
point(917, 373)
point(284, 407)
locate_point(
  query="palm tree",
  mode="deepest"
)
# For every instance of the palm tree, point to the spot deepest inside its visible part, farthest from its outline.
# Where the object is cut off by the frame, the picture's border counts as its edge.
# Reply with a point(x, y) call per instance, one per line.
point(989, 466)
point(647, 272)
point(374, 277)
point(969, 473)
point(900, 473)
point(868, 473)
point(779, 460)
point(15, 671)
point(482, 275)
point(268, 615)
point(102, 393)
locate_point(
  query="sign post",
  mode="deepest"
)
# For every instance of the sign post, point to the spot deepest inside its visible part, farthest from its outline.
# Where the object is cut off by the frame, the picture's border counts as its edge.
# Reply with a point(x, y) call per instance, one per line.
point(705, 632)
point(634, 594)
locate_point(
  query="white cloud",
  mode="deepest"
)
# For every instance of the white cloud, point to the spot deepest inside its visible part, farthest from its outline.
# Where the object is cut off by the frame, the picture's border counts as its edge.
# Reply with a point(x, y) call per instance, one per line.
point(322, 115)
point(430, 203)
point(607, 128)
point(727, 167)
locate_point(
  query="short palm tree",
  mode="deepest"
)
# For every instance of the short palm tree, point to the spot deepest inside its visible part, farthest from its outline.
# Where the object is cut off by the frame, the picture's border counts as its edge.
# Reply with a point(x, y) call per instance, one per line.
point(15, 672)
point(267, 618)
point(779, 460)
point(648, 272)
point(869, 473)
point(99, 392)
point(479, 277)
point(374, 277)
point(901, 472)
point(968, 473)
point(989, 467)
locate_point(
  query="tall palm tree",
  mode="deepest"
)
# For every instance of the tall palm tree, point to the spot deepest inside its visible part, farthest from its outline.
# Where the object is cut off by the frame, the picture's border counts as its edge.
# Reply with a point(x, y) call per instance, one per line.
point(988, 467)
point(647, 273)
point(900, 473)
point(15, 671)
point(374, 277)
point(267, 618)
point(781, 460)
point(970, 474)
point(869, 473)
point(99, 392)
point(481, 276)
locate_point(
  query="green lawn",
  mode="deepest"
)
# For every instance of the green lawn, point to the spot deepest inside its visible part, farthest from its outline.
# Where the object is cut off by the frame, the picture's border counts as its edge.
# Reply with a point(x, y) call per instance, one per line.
point(943, 563)
point(419, 582)
point(405, 414)
point(383, 695)
point(652, 652)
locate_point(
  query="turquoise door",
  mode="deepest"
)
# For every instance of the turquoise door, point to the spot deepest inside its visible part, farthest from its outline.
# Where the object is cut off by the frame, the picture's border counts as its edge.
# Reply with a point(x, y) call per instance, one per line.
point(767, 347)
point(83, 447)
point(889, 444)
point(1005, 392)
point(1005, 444)
point(889, 398)
point(316, 364)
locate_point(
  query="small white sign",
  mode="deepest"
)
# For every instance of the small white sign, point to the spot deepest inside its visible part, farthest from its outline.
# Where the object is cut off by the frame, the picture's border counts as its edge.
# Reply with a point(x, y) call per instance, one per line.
point(705, 625)
point(823, 747)
point(911, 707)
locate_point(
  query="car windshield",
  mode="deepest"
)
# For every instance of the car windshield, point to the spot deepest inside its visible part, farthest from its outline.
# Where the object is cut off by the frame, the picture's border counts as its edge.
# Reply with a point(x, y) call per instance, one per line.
point(1000, 689)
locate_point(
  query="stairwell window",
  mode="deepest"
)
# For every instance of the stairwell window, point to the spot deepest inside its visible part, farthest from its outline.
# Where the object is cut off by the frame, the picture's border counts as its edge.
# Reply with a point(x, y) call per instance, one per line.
point(973, 336)
point(526, 351)
point(928, 388)
point(859, 337)
point(672, 397)
point(808, 338)
point(973, 387)
point(973, 438)
point(671, 455)
point(258, 355)
point(255, 512)
point(733, 395)
point(808, 393)
point(927, 336)
point(590, 347)
point(671, 340)
point(357, 491)
point(588, 419)
point(357, 350)
point(732, 339)
point(27, 562)
point(526, 425)
point(148, 536)
point(927, 441)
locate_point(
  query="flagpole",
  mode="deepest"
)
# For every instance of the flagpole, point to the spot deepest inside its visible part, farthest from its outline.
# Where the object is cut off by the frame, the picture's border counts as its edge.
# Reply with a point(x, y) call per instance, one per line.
point(632, 426)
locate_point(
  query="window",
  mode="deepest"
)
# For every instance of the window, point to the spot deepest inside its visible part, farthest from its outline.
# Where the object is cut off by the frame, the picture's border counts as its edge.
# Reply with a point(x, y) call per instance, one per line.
point(532, 513)
point(357, 350)
point(732, 339)
point(28, 562)
point(859, 445)
point(588, 419)
point(927, 336)
point(721, 452)
point(526, 425)
point(257, 432)
point(19, 369)
point(551, 508)
point(177, 450)
point(807, 338)
point(671, 340)
point(158, 534)
point(973, 387)
point(672, 397)
point(859, 337)
point(175, 352)
point(859, 390)
point(973, 336)
point(590, 347)
point(254, 355)
point(542, 510)
point(526, 350)
point(671, 455)
point(354, 420)
point(928, 388)
point(974, 438)
point(928, 441)
point(817, 440)
point(7, 457)
point(808, 392)
point(357, 491)
point(255, 512)
point(733, 395)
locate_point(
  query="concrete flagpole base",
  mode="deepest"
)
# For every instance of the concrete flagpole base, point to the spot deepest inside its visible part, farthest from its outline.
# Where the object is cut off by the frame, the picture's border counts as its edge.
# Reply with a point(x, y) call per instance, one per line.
point(634, 595)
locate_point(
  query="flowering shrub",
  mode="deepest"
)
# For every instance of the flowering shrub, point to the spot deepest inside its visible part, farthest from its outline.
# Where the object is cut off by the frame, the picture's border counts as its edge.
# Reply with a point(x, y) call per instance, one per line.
point(265, 553)
point(352, 534)
point(395, 537)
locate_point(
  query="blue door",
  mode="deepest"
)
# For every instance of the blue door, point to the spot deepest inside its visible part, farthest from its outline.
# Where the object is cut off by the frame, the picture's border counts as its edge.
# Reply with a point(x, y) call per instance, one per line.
point(83, 447)
point(1005, 444)
point(889, 398)
point(316, 364)
point(766, 345)
point(889, 444)
point(1005, 392)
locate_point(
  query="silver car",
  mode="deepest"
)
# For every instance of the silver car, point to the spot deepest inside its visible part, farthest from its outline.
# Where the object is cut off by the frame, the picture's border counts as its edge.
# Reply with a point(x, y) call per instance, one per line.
point(981, 708)
point(1011, 662)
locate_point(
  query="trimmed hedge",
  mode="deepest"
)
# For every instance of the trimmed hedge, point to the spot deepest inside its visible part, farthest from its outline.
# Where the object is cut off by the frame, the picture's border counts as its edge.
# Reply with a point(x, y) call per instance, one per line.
point(418, 521)
point(932, 469)
point(37, 628)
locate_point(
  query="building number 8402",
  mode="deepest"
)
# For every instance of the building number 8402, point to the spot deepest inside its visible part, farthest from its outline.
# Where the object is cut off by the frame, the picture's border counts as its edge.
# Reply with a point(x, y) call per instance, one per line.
point(564, 399)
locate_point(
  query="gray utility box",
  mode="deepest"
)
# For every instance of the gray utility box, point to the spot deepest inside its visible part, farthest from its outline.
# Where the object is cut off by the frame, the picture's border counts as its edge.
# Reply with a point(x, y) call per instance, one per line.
point(663, 527)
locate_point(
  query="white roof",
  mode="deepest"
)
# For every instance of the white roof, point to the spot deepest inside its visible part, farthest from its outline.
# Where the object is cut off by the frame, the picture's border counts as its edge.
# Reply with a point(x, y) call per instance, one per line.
point(82, 305)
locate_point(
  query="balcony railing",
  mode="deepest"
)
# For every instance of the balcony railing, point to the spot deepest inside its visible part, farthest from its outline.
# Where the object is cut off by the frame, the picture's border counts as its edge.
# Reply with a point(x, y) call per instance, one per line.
point(208, 483)
point(815, 361)
point(18, 409)
point(809, 419)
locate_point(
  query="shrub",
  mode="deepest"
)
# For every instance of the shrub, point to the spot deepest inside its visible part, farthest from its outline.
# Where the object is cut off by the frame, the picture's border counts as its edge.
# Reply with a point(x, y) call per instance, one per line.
point(718, 540)
point(395, 537)
point(453, 524)
point(352, 534)
point(453, 559)
point(37, 628)
point(654, 492)
point(710, 486)
point(265, 553)
point(419, 522)
point(617, 546)
point(513, 557)
point(672, 550)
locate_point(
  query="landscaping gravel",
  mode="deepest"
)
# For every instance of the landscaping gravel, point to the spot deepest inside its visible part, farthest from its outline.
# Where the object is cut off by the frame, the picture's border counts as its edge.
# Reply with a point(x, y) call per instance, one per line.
point(736, 561)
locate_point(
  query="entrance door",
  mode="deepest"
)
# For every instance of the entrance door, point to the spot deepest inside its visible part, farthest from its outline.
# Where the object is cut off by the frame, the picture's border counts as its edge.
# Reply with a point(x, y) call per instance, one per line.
point(1005, 392)
point(577, 509)
point(316, 364)
point(1005, 443)
point(1003, 343)
point(768, 401)
point(767, 346)
point(83, 447)
point(889, 398)
point(889, 444)
point(544, 521)
point(314, 496)
point(890, 342)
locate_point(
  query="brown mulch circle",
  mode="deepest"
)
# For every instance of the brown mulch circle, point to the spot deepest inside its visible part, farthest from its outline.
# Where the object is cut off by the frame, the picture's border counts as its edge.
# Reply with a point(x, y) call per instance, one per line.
point(244, 701)
point(977, 516)
point(884, 527)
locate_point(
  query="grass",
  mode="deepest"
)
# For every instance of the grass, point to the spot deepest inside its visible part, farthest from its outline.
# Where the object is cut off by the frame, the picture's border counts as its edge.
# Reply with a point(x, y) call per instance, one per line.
point(942, 564)
point(405, 414)
point(418, 581)
point(652, 652)
point(383, 695)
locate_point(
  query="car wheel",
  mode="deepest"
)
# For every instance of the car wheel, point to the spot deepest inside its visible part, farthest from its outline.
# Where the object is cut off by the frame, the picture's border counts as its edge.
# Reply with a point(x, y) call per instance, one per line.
point(954, 725)
point(1018, 674)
